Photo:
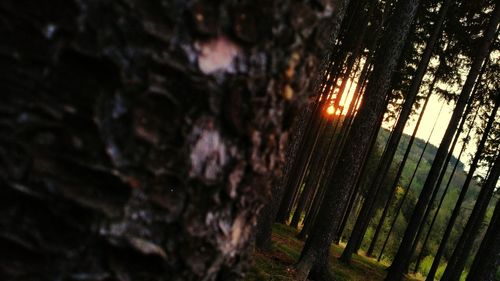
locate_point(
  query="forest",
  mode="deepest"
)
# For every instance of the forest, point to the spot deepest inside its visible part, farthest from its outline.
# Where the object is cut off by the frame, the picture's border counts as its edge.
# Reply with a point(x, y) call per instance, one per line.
point(250, 140)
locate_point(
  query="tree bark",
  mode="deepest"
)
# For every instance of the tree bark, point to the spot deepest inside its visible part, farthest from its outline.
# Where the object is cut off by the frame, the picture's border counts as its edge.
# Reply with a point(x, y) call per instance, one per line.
point(138, 138)
point(315, 253)
point(397, 268)
point(268, 213)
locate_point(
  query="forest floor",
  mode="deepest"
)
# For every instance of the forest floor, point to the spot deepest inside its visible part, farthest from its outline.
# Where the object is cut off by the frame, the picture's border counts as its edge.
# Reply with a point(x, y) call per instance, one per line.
point(277, 265)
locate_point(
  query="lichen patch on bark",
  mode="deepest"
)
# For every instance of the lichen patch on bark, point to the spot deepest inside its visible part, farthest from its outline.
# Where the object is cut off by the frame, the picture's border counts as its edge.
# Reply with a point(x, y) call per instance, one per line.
point(217, 54)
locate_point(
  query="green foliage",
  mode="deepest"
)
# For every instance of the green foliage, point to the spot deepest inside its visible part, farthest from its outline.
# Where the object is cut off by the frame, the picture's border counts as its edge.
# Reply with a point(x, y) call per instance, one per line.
point(425, 265)
point(277, 264)
point(440, 271)
point(415, 188)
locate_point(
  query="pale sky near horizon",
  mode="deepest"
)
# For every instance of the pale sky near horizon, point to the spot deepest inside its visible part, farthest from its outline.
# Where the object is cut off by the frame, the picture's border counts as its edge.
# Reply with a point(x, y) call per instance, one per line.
point(438, 110)
point(432, 114)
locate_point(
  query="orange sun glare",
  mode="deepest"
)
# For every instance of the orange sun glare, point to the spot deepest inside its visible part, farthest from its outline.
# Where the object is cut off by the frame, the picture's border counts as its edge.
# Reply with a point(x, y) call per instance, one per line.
point(330, 110)
point(345, 101)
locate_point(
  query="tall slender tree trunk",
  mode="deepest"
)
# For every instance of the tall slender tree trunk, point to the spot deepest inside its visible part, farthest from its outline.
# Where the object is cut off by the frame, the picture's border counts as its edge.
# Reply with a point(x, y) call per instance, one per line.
point(311, 138)
point(441, 200)
point(450, 153)
point(459, 256)
point(285, 195)
point(314, 256)
point(312, 179)
point(398, 266)
point(286, 189)
point(457, 209)
point(361, 84)
point(359, 181)
point(333, 157)
point(487, 259)
point(392, 191)
point(400, 205)
point(440, 179)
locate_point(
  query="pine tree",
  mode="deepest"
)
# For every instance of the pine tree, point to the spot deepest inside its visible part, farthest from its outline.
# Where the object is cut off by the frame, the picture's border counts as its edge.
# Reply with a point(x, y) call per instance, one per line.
point(402, 257)
point(487, 259)
point(314, 256)
point(384, 165)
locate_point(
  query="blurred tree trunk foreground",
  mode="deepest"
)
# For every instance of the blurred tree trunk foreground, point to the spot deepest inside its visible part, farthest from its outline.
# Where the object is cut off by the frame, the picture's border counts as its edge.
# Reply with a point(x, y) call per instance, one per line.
point(138, 138)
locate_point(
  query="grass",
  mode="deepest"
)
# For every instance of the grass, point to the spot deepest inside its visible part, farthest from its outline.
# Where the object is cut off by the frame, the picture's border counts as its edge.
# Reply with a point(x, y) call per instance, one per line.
point(277, 264)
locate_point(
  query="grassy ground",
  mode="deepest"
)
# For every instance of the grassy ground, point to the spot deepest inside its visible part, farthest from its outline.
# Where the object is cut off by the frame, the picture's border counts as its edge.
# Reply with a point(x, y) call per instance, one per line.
point(278, 264)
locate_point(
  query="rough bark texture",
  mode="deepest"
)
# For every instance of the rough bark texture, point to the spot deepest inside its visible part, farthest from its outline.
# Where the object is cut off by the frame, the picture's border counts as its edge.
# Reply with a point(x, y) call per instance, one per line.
point(138, 137)
point(315, 252)
point(402, 256)
point(267, 215)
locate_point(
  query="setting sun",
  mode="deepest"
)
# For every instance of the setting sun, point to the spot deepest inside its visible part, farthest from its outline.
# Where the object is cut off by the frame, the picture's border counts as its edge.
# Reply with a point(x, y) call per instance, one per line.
point(330, 110)
point(345, 101)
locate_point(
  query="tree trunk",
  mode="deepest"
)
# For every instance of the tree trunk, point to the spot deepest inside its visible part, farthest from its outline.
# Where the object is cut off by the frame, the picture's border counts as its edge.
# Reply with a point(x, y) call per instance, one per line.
point(487, 259)
point(397, 268)
point(310, 183)
point(360, 85)
point(401, 165)
point(367, 210)
point(310, 139)
point(450, 153)
point(428, 209)
point(456, 263)
point(400, 205)
point(283, 194)
point(267, 215)
point(458, 205)
point(315, 253)
point(462, 249)
point(441, 200)
point(138, 138)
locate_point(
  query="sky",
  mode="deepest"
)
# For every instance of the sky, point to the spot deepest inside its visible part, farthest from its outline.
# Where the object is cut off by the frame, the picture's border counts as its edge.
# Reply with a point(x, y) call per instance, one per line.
point(439, 111)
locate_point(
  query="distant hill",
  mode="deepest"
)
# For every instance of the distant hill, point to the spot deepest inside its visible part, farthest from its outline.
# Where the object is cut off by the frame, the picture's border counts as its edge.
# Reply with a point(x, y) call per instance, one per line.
point(426, 163)
point(449, 202)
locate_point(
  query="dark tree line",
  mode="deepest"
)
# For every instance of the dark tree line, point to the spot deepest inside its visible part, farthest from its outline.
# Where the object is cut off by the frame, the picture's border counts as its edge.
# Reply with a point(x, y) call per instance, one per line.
point(327, 207)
